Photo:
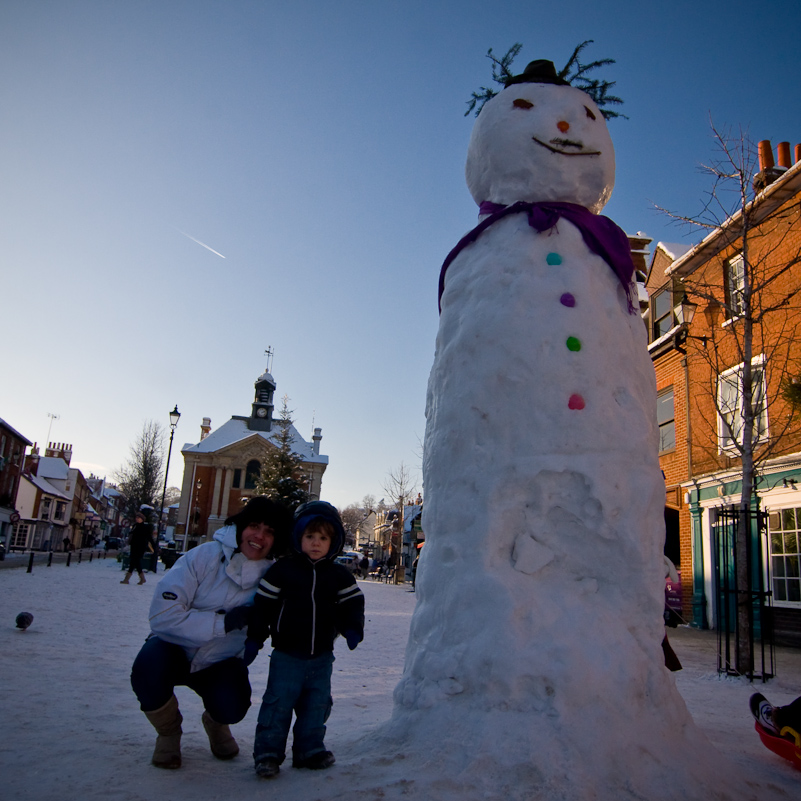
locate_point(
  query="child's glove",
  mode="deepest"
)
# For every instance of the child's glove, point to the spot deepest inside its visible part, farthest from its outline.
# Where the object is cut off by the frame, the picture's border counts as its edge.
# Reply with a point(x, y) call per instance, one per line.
point(353, 638)
point(252, 649)
point(237, 618)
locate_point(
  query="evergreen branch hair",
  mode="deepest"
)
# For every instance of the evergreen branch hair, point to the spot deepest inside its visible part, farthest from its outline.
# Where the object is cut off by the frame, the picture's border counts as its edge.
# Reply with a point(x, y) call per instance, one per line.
point(500, 72)
point(574, 72)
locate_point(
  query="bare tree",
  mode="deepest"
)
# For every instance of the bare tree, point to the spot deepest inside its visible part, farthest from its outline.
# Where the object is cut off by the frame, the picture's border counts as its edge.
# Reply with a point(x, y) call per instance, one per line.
point(399, 487)
point(352, 516)
point(750, 358)
point(141, 477)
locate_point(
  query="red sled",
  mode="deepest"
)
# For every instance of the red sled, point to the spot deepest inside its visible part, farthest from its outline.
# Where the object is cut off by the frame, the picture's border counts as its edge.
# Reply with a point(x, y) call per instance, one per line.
point(787, 749)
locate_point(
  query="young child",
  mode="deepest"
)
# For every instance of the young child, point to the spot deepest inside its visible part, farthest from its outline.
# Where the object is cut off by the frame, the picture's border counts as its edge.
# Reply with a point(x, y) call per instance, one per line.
point(304, 601)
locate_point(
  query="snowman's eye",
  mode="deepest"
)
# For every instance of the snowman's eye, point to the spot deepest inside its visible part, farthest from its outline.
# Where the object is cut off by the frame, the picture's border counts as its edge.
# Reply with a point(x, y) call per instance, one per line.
point(522, 103)
point(589, 113)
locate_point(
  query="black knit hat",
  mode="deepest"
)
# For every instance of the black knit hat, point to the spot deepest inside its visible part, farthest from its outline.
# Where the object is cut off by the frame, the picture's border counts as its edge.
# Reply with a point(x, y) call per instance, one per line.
point(264, 510)
point(539, 71)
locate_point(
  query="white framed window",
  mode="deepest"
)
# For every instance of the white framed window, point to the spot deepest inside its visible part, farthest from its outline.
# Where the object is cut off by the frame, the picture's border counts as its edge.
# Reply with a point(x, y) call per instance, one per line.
point(665, 418)
point(785, 555)
point(735, 285)
point(19, 535)
point(45, 512)
point(730, 393)
point(662, 310)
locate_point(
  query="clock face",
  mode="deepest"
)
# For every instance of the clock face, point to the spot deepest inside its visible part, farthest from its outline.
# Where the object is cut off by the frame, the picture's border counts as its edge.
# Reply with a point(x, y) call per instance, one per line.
point(261, 412)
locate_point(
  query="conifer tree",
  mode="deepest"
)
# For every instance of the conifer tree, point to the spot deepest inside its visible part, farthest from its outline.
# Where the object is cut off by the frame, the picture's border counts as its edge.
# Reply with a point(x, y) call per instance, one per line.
point(282, 475)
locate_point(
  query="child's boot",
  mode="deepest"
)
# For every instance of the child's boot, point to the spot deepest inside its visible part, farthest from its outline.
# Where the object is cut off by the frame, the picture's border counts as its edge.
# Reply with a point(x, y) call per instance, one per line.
point(268, 768)
point(319, 761)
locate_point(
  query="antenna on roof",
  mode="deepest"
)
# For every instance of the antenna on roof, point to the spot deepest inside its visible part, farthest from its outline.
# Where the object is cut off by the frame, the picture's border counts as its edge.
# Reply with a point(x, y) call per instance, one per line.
point(49, 428)
point(314, 412)
point(269, 354)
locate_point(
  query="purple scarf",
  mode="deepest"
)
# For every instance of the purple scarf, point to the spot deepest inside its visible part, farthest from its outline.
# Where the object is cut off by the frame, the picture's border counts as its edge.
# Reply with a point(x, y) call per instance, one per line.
point(600, 235)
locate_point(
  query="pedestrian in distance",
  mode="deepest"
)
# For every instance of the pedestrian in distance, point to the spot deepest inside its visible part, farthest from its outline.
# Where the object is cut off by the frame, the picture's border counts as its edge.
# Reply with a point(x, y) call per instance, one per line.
point(140, 540)
point(304, 601)
point(198, 618)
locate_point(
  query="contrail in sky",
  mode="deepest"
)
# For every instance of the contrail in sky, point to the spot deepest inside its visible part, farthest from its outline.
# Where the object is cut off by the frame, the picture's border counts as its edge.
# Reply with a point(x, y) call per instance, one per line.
point(202, 244)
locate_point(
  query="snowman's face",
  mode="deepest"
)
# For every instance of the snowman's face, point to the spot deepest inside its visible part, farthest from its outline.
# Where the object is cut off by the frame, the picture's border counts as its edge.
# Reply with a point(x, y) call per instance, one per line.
point(538, 142)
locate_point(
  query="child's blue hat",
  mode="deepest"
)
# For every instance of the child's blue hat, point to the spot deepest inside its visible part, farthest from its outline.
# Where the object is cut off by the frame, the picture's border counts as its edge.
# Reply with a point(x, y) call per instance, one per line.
point(307, 512)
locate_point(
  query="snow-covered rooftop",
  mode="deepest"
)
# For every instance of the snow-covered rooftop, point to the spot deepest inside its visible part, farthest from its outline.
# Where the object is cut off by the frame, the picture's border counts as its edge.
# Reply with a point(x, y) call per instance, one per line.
point(675, 250)
point(45, 486)
point(236, 430)
point(53, 467)
point(14, 431)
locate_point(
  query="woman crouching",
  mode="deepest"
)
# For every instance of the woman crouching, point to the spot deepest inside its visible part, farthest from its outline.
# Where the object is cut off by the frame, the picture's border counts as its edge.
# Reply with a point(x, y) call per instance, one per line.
point(197, 620)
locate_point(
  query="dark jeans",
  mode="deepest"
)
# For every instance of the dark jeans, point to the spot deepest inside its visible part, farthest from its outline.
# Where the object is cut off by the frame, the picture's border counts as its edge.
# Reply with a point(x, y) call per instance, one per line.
point(161, 666)
point(302, 685)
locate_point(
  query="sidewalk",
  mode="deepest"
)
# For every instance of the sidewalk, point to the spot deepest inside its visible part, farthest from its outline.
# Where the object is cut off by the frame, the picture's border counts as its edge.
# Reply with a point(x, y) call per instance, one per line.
point(20, 560)
point(698, 650)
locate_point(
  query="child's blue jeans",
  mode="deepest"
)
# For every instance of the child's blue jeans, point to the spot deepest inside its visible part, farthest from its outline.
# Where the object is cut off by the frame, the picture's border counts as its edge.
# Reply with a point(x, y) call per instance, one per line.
point(302, 685)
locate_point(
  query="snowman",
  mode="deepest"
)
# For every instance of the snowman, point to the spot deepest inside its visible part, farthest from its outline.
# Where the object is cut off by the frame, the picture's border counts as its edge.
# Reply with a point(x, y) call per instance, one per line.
point(534, 662)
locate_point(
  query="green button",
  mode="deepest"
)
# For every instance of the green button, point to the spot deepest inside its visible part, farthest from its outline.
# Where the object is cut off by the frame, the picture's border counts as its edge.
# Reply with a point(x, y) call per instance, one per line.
point(573, 343)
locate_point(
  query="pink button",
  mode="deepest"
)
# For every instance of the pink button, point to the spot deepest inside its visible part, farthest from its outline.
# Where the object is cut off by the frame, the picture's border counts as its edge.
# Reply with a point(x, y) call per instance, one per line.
point(575, 402)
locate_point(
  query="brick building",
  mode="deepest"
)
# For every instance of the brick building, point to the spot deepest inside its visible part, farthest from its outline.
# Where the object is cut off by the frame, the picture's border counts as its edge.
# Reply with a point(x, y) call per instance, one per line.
point(699, 369)
point(220, 470)
point(12, 460)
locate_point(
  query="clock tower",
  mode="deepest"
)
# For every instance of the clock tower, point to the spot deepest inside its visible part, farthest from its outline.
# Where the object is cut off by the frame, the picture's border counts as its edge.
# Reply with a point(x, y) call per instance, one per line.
point(261, 416)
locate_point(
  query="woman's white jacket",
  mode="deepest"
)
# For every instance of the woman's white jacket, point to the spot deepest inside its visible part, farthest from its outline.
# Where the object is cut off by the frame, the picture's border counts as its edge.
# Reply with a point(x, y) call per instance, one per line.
point(190, 602)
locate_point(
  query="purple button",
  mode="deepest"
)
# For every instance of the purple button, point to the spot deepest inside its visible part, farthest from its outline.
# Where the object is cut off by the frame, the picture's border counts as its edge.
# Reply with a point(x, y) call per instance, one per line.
point(568, 300)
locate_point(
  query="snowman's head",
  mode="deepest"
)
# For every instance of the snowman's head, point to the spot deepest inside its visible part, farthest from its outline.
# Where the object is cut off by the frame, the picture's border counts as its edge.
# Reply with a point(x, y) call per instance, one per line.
point(540, 142)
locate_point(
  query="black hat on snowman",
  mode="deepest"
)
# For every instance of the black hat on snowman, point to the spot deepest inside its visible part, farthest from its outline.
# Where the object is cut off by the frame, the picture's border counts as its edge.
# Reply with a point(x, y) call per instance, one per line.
point(539, 71)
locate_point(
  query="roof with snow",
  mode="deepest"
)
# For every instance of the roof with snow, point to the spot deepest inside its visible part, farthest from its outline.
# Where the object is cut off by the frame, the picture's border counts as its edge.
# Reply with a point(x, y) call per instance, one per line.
point(674, 250)
point(236, 431)
point(53, 467)
point(45, 486)
point(14, 432)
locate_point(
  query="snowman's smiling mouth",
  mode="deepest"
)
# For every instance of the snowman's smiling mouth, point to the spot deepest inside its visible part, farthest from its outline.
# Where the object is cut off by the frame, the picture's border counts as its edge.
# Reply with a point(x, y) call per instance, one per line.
point(558, 145)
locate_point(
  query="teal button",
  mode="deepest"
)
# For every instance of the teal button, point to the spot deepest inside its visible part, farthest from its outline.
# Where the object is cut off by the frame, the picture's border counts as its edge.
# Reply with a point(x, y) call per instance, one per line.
point(553, 259)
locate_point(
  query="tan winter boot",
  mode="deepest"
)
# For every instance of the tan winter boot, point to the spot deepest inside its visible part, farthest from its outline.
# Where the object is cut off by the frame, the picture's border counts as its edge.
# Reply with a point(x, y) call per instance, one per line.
point(126, 579)
point(141, 578)
point(167, 722)
point(222, 742)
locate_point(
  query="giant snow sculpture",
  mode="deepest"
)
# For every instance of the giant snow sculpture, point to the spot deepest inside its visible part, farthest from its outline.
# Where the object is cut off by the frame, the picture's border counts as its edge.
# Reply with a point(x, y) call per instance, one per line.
point(534, 667)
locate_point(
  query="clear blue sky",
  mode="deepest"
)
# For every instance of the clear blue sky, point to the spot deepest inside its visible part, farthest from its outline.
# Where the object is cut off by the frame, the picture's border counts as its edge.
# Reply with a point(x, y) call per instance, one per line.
point(320, 148)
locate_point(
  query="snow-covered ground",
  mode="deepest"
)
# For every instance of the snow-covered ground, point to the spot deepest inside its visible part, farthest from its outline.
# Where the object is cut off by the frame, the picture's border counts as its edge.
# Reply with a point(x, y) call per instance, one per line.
point(72, 728)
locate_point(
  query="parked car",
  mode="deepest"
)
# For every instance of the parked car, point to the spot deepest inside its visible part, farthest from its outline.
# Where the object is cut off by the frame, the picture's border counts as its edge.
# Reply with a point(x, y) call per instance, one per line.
point(113, 543)
point(351, 560)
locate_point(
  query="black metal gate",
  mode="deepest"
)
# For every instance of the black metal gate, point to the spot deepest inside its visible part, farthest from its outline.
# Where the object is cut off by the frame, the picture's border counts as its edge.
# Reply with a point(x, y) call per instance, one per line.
point(753, 600)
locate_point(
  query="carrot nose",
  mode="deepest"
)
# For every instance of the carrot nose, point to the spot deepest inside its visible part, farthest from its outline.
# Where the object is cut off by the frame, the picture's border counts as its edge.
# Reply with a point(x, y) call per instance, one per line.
point(563, 126)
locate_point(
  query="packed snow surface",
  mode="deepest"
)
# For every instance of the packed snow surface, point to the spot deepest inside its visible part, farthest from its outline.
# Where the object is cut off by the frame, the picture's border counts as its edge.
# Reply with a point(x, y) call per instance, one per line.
point(73, 729)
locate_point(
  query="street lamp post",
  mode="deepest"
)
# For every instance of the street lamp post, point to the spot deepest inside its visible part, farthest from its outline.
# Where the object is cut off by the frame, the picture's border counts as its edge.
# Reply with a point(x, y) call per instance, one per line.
point(175, 416)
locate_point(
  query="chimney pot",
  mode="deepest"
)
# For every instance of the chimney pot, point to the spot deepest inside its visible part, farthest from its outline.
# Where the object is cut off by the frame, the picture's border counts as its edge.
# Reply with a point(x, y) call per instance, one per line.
point(765, 155)
point(797, 154)
point(783, 153)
